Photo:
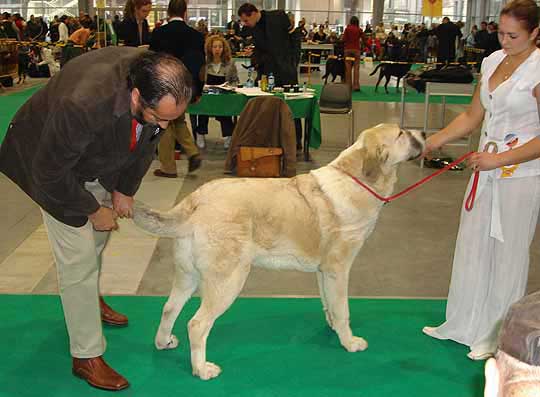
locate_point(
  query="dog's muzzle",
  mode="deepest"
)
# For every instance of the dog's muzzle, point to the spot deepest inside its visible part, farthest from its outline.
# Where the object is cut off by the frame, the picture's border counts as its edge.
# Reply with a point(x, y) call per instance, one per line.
point(417, 145)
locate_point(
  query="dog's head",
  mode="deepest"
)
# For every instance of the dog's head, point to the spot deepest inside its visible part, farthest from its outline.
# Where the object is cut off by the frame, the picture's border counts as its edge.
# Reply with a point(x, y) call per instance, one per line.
point(378, 151)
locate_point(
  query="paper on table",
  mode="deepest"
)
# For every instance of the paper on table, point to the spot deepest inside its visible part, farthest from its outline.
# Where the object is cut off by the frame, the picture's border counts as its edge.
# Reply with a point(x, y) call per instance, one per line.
point(253, 91)
point(225, 86)
point(298, 95)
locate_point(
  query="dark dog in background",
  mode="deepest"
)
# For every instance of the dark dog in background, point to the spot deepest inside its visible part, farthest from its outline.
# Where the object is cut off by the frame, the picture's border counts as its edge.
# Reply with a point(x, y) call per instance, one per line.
point(403, 58)
point(335, 66)
point(388, 70)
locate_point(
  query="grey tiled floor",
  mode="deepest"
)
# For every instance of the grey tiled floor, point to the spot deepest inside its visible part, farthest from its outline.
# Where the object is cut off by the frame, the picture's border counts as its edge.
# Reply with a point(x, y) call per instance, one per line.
point(408, 255)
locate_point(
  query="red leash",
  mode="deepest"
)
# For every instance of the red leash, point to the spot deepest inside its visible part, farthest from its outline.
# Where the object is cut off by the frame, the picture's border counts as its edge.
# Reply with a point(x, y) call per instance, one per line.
point(469, 203)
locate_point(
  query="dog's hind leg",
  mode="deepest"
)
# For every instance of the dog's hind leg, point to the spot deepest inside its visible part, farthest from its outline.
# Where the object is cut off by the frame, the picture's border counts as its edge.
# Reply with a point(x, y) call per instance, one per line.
point(397, 85)
point(336, 292)
point(320, 281)
point(379, 80)
point(218, 292)
point(184, 284)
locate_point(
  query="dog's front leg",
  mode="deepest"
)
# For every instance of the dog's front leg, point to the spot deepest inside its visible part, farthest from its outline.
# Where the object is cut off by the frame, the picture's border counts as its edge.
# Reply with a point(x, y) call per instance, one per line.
point(320, 281)
point(336, 293)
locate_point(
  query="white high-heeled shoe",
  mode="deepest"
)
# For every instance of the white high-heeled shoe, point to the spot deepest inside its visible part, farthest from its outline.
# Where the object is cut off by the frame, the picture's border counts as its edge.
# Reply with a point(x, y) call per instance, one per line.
point(480, 355)
point(432, 331)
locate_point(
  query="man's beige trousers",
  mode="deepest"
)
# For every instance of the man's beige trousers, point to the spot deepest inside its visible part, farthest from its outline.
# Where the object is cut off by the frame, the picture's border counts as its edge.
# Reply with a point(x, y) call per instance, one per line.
point(77, 253)
point(176, 131)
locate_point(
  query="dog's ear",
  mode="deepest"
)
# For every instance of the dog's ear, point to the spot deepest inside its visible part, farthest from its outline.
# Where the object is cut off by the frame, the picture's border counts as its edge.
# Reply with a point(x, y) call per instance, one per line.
point(373, 161)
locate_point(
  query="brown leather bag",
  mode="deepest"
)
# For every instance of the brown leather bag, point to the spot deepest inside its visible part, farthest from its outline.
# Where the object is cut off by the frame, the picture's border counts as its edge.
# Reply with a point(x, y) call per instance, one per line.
point(259, 162)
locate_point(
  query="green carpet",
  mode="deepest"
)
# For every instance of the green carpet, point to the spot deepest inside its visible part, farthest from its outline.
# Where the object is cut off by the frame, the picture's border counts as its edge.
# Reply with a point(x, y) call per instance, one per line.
point(368, 94)
point(266, 348)
point(9, 104)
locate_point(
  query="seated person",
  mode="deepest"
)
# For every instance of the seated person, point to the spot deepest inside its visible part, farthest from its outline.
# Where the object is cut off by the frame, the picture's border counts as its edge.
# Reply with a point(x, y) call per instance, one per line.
point(515, 370)
point(81, 35)
point(220, 68)
point(373, 47)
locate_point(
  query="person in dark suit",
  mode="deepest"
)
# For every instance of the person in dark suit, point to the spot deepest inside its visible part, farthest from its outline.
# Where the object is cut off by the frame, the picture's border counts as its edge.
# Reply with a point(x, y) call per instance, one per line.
point(233, 25)
point(492, 41)
point(88, 137)
point(274, 48)
point(134, 29)
point(447, 33)
point(186, 44)
point(273, 45)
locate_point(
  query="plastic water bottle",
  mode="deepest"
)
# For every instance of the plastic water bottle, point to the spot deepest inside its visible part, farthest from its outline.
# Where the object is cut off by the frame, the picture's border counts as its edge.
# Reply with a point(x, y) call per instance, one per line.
point(271, 82)
point(250, 83)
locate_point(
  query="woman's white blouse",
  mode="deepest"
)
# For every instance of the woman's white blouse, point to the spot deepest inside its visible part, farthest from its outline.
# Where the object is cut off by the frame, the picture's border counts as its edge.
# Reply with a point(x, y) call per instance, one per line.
point(511, 119)
point(511, 111)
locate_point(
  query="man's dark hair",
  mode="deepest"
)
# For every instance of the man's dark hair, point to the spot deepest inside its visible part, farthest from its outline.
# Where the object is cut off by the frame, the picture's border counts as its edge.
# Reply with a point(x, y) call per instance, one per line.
point(157, 75)
point(446, 19)
point(86, 23)
point(177, 8)
point(247, 9)
point(354, 21)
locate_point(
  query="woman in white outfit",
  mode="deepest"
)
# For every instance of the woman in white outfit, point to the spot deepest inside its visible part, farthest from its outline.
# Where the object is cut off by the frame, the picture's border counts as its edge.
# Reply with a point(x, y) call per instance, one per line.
point(491, 258)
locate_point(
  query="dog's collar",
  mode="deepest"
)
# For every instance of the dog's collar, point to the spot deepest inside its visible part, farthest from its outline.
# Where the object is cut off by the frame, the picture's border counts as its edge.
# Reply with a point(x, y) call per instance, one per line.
point(385, 200)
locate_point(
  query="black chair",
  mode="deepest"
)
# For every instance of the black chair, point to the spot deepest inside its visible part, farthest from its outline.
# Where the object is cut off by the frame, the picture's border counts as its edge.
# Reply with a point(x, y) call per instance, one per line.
point(336, 98)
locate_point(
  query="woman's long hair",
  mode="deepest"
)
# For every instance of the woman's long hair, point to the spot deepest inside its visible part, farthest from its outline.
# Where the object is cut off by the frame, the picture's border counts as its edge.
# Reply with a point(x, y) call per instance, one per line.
point(226, 56)
point(132, 5)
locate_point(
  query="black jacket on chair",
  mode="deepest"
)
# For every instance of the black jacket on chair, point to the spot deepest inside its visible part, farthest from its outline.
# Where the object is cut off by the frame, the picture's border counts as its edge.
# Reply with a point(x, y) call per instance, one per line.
point(129, 32)
point(185, 43)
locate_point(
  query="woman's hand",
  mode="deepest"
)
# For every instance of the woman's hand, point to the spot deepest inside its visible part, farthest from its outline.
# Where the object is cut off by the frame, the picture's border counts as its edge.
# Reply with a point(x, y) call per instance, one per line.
point(432, 143)
point(484, 161)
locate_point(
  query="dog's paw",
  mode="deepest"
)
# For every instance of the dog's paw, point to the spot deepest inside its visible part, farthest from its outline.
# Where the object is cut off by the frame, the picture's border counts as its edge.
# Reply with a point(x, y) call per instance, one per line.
point(207, 371)
point(356, 344)
point(166, 342)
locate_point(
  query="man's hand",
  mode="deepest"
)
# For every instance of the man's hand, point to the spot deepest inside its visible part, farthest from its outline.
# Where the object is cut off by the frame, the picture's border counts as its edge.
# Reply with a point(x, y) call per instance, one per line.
point(104, 219)
point(484, 161)
point(122, 204)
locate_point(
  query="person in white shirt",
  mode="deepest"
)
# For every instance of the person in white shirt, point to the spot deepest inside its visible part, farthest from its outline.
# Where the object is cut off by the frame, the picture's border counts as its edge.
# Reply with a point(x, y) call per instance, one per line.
point(491, 259)
point(63, 31)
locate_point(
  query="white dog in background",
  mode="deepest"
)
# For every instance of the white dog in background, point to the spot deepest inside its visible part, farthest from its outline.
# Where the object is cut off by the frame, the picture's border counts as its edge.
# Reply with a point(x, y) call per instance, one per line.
point(315, 222)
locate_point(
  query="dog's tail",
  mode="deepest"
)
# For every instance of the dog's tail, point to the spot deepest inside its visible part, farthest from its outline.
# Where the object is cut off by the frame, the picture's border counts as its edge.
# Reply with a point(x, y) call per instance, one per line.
point(375, 70)
point(164, 224)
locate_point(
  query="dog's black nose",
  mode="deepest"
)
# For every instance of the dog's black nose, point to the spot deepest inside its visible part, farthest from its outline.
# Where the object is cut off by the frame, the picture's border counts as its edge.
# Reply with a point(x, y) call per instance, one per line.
point(424, 135)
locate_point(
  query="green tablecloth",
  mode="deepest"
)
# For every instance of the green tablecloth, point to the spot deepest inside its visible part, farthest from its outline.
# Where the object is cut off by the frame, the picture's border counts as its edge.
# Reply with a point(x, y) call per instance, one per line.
point(233, 104)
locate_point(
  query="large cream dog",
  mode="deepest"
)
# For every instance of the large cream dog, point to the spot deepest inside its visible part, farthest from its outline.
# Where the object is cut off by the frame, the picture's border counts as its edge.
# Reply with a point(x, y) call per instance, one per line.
point(315, 222)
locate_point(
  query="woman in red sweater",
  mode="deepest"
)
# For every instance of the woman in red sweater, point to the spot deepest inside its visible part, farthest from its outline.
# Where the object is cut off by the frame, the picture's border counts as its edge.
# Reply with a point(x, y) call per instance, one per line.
point(352, 38)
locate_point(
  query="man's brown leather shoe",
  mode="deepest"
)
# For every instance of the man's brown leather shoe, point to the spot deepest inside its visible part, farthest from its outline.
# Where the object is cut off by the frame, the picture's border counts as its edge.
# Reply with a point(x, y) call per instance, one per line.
point(110, 317)
point(98, 374)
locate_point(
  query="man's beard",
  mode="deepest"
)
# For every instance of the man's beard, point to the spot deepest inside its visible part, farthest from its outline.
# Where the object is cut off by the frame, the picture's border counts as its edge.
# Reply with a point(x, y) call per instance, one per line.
point(138, 115)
